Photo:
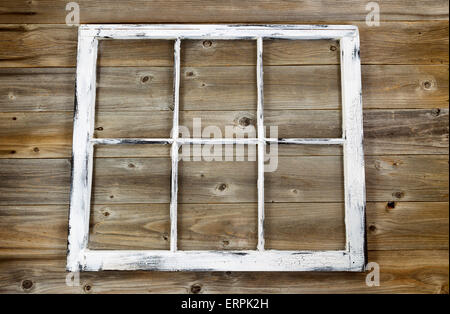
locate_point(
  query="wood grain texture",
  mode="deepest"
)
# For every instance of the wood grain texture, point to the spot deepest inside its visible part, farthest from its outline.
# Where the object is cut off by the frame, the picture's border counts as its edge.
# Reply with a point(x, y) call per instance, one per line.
point(386, 132)
point(225, 88)
point(397, 177)
point(40, 232)
point(35, 45)
point(400, 272)
point(197, 11)
point(405, 67)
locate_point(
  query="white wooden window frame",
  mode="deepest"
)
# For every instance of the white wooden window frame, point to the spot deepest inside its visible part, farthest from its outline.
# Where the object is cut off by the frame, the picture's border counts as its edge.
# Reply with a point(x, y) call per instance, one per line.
point(352, 258)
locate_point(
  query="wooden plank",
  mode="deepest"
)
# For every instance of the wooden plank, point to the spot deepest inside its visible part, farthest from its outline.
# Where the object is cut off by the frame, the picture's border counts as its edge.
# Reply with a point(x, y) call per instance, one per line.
point(297, 179)
point(400, 272)
point(49, 134)
point(389, 225)
point(225, 88)
point(196, 11)
point(40, 232)
point(34, 45)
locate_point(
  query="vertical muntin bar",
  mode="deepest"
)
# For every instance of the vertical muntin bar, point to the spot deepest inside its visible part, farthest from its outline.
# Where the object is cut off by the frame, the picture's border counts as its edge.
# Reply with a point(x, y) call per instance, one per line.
point(175, 146)
point(261, 142)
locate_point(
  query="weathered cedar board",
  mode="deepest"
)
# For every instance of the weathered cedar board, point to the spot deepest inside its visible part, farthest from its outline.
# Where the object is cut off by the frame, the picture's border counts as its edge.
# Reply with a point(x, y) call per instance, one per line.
point(23, 46)
point(235, 11)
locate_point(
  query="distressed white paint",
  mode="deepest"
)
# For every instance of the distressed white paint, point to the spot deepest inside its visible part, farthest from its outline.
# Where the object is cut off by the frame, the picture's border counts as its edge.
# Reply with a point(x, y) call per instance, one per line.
point(269, 260)
point(308, 141)
point(352, 259)
point(175, 147)
point(232, 32)
point(82, 151)
point(261, 142)
point(352, 128)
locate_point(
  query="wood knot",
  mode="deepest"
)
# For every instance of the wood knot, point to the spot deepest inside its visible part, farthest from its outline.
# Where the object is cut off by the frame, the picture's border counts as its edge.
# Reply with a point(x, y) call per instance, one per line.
point(14, 118)
point(99, 128)
point(427, 85)
point(111, 196)
point(106, 214)
point(130, 165)
point(87, 288)
point(333, 48)
point(391, 205)
point(226, 242)
point(13, 152)
point(27, 284)
point(196, 288)
point(145, 79)
point(372, 228)
point(222, 187)
point(207, 43)
point(245, 121)
point(398, 194)
point(190, 74)
point(436, 112)
point(36, 149)
point(165, 236)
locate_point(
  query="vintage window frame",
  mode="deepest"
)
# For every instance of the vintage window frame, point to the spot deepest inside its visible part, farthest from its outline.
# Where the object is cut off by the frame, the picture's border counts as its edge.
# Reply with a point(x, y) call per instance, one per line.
point(352, 258)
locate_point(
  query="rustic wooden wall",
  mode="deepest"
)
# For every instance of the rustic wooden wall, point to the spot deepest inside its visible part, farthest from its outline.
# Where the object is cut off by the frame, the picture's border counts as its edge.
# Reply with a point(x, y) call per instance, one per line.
point(405, 95)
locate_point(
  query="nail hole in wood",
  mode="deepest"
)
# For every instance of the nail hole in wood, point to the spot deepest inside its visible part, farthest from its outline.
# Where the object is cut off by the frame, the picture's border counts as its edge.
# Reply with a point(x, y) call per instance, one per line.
point(391, 205)
point(99, 128)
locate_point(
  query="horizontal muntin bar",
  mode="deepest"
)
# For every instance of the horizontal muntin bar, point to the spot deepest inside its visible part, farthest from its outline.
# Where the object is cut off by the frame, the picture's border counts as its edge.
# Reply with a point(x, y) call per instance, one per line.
point(224, 32)
point(116, 141)
point(269, 260)
point(218, 141)
point(307, 141)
